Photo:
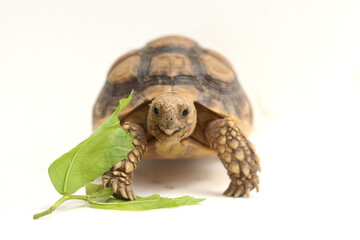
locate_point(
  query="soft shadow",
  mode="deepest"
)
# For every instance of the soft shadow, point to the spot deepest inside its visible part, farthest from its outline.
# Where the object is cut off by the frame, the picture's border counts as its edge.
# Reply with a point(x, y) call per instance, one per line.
point(201, 176)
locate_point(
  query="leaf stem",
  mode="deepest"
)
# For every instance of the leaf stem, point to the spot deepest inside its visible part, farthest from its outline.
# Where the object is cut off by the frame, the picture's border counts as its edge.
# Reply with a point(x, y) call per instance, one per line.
point(59, 202)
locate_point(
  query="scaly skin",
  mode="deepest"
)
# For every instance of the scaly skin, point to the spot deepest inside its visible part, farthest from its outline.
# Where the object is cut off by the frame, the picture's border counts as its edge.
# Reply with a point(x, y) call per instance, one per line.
point(237, 154)
point(119, 178)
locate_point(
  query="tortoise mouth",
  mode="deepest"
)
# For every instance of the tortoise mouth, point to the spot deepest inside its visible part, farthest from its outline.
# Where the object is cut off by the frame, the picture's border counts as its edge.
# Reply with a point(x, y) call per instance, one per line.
point(169, 131)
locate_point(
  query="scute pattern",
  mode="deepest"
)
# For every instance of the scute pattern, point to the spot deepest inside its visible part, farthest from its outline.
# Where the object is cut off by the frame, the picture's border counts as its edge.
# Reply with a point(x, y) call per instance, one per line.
point(126, 71)
point(170, 64)
point(172, 41)
point(220, 57)
point(216, 69)
point(178, 64)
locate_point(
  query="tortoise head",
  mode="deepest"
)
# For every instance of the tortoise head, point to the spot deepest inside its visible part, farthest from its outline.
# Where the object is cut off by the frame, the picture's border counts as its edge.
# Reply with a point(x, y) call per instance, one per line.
point(171, 118)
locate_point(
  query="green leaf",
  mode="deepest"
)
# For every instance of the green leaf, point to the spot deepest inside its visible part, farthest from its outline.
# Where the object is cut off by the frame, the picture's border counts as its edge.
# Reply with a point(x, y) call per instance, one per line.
point(96, 191)
point(146, 203)
point(108, 145)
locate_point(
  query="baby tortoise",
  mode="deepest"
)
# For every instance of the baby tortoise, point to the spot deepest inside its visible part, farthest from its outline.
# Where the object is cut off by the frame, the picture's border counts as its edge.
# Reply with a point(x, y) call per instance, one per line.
point(187, 103)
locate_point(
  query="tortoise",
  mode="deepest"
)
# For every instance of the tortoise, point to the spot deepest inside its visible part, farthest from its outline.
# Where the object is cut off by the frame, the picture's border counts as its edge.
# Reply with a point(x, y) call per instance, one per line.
point(187, 103)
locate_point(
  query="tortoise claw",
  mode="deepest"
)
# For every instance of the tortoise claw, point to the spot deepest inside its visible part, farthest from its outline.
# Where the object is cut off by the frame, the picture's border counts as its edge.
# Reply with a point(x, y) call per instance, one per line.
point(238, 190)
point(116, 183)
point(105, 181)
point(230, 190)
point(125, 192)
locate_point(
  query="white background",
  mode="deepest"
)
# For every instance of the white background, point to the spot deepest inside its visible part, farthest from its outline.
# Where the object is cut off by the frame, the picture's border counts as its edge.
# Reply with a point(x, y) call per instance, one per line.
point(299, 62)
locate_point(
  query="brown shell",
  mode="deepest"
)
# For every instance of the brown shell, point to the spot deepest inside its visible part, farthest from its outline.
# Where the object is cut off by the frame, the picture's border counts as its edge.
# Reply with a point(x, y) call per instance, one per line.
point(174, 64)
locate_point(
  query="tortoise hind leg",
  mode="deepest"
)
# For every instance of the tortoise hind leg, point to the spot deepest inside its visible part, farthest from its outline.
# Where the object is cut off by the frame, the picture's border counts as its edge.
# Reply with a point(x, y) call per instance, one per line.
point(119, 178)
point(237, 154)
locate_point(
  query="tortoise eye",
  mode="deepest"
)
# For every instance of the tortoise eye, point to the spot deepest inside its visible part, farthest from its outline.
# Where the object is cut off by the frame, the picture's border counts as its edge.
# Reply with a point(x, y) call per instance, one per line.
point(185, 112)
point(156, 110)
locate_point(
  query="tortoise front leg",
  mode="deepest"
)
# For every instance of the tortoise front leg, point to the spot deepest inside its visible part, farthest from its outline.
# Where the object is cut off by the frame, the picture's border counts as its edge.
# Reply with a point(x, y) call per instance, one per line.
point(119, 178)
point(237, 154)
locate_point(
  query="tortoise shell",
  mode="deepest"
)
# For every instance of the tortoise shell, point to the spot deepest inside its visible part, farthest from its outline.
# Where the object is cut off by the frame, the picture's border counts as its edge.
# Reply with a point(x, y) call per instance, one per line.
point(174, 64)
